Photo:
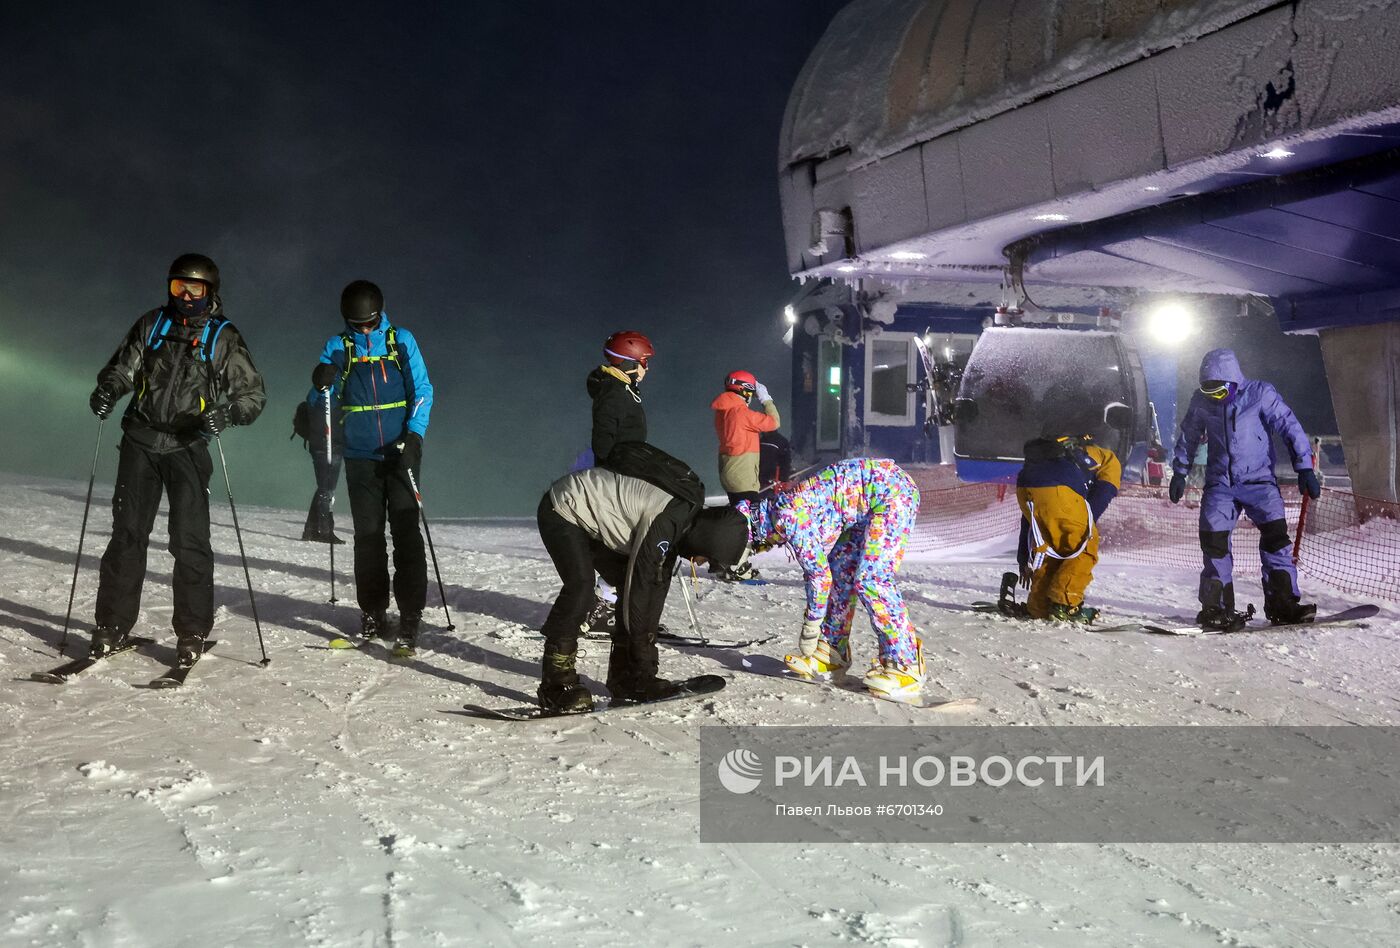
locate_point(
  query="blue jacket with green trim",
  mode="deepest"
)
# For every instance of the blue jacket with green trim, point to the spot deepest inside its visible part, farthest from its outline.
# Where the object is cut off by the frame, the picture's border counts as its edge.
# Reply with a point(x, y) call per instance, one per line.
point(385, 394)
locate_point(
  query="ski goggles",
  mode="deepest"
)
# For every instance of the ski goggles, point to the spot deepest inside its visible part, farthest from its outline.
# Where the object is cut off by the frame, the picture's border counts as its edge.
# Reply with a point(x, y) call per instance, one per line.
point(1216, 390)
point(195, 288)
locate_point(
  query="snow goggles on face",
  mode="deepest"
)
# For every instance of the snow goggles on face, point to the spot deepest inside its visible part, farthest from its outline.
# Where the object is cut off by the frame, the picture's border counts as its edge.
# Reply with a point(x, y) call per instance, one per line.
point(195, 288)
point(1215, 390)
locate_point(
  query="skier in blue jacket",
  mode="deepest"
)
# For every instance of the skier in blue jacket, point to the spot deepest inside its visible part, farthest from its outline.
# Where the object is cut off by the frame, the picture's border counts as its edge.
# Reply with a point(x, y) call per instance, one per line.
point(375, 377)
point(1238, 418)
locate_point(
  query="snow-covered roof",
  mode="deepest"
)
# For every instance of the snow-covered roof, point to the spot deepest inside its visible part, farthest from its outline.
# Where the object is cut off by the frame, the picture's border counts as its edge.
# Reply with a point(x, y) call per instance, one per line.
point(891, 73)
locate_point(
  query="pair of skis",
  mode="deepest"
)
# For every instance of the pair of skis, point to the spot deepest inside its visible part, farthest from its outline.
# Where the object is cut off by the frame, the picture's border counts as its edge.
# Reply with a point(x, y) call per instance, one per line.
point(173, 677)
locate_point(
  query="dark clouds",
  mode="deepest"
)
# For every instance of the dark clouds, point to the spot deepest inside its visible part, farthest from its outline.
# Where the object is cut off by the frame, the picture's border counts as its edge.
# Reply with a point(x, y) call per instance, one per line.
point(521, 178)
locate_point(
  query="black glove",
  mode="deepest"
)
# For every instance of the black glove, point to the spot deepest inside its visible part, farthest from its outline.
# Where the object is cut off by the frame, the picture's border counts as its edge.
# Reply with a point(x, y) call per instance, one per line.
point(101, 402)
point(1177, 488)
point(1308, 483)
point(215, 419)
point(323, 376)
point(410, 451)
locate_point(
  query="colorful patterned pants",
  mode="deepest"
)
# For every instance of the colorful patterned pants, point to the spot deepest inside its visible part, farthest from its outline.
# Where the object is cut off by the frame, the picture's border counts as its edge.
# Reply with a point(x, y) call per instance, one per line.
point(863, 567)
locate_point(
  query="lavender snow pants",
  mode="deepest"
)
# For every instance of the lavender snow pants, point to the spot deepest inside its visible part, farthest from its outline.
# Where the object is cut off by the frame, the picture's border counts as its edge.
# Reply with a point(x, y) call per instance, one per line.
point(1220, 509)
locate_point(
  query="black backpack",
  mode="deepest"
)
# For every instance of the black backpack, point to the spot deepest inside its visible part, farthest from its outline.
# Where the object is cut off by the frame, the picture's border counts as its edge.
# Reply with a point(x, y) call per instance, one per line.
point(649, 463)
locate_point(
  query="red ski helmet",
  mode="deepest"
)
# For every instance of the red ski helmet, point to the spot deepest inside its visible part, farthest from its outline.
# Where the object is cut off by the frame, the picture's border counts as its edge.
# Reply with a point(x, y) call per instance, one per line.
point(741, 383)
point(626, 347)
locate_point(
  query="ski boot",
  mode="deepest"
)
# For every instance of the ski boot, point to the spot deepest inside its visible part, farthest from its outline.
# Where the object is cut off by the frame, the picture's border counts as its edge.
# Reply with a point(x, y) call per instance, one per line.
point(560, 691)
point(1218, 608)
point(825, 664)
point(600, 622)
point(1082, 615)
point(188, 649)
point(373, 625)
point(406, 640)
point(1282, 605)
point(105, 640)
point(898, 681)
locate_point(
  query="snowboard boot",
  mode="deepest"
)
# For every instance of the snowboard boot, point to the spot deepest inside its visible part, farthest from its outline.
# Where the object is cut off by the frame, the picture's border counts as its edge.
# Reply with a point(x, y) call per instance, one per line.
point(560, 691)
point(898, 681)
point(373, 625)
point(406, 640)
point(105, 640)
point(188, 649)
point(600, 622)
point(642, 690)
point(1059, 612)
point(828, 661)
point(1281, 606)
point(1218, 608)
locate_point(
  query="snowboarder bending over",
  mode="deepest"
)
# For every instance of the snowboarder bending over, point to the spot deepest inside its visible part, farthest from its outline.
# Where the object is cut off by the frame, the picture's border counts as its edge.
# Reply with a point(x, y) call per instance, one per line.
point(375, 375)
point(848, 526)
point(191, 376)
point(618, 418)
point(631, 530)
point(1238, 419)
point(738, 428)
point(1063, 489)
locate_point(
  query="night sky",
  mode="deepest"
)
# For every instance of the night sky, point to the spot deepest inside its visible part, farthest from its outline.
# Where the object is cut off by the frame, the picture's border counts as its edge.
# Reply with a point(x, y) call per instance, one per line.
point(521, 178)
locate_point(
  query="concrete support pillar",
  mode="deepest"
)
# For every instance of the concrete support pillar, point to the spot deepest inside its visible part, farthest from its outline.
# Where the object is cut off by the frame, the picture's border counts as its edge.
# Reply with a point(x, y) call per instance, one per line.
point(1363, 372)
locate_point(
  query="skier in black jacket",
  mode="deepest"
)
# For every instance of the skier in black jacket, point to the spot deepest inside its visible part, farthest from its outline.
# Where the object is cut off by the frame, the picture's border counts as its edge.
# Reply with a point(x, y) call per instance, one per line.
point(618, 418)
point(191, 377)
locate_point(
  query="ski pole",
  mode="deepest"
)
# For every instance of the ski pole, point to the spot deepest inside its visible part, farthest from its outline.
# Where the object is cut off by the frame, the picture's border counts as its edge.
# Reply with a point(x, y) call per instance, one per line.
point(331, 500)
point(82, 534)
point(241, 554)
point(422, 515)
point(685, 594)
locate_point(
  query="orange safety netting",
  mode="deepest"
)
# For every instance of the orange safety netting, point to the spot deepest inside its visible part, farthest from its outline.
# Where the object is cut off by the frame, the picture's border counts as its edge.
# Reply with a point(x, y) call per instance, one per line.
point(1349, 542)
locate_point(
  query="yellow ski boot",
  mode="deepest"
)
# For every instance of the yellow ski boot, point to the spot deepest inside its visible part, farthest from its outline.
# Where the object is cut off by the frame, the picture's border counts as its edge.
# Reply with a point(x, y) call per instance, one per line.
point(898, 682)
point(826, 663)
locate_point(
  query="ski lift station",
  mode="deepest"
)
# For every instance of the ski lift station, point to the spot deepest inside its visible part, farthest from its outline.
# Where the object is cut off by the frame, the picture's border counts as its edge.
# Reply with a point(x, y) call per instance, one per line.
point(1092, 168)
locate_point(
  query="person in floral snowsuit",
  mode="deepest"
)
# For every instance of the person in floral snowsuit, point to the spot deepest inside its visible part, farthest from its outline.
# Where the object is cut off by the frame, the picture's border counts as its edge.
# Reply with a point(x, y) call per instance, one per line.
point(848, 526)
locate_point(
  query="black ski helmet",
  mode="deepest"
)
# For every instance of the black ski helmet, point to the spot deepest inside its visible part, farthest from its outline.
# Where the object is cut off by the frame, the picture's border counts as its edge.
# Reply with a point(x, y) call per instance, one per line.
point(361, 302)
point(195, 266)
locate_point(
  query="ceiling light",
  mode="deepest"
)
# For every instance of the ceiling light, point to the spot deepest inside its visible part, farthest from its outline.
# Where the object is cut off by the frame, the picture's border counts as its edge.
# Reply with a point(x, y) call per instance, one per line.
point(1170, 323)
point(1277, 152)
point(907, 255)
point(1050, 217)
point(848, 268)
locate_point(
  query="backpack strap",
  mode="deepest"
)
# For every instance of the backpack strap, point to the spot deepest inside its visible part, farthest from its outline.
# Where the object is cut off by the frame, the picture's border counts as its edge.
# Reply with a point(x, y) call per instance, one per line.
point(159, 329)
point(348, 343)
point(208, 340)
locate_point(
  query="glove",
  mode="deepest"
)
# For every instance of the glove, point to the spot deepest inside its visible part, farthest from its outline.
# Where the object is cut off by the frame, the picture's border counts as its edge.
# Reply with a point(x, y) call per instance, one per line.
point(1027, 574)
point(1177, 488)
point(762, 392)
point(1308, 483)
point(811, 635)
point(101, 402)
point(410, 451)
point(215, 420)
point(323, 376)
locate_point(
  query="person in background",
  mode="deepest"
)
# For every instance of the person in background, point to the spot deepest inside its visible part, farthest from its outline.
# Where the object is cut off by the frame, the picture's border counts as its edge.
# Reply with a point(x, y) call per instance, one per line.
point(1063, 489)
point(738, 428)
point(1238, 419)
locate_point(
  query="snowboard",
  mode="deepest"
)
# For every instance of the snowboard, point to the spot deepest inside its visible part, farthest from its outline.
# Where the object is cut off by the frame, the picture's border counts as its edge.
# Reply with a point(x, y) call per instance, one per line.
point(1352, 615)
point(696, 687)
point(691, 641)
point(176, 674)
point(854, 685)
point(68, 670)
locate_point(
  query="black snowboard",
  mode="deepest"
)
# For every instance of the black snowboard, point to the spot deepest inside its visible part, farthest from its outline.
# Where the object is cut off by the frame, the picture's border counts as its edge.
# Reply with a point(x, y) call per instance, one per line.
point(68, 670)
point(1354, 614)
point(695, 687)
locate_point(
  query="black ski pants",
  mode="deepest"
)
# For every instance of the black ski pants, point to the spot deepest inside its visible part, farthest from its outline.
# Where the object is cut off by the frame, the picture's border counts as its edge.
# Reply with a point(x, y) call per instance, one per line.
point(142, 476)
point(576, 557)
point(380, 492)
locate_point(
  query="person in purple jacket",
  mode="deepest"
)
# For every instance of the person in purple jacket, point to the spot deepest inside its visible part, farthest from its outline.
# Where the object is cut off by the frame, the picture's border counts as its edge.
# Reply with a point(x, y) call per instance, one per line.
point(1238, 418)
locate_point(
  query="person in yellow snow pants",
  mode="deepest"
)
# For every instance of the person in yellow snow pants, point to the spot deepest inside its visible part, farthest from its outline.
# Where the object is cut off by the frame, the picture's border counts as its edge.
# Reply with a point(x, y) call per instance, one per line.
point(1063, 489)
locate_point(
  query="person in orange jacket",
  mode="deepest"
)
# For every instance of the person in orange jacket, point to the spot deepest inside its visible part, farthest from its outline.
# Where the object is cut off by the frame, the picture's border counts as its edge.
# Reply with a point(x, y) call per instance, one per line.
point(738, 428)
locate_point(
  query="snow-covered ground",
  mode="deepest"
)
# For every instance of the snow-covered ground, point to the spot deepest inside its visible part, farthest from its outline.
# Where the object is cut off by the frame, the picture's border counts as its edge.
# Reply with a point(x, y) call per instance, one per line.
point(333, 799)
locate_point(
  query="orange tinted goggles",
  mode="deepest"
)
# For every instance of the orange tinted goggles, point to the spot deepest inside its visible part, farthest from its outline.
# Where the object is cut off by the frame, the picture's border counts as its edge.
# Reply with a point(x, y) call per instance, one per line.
point(195, 288)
